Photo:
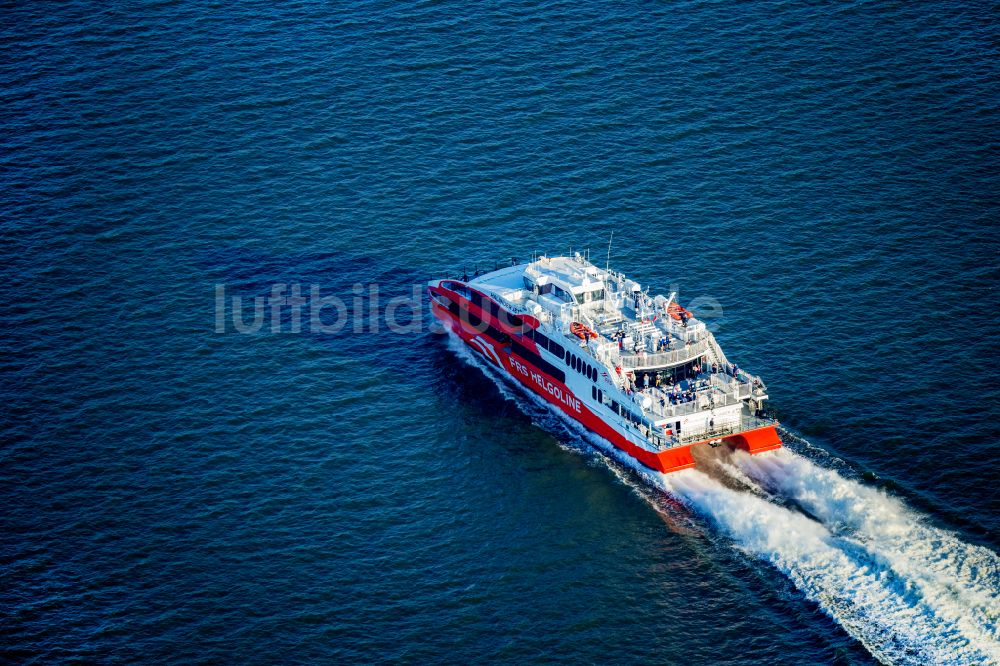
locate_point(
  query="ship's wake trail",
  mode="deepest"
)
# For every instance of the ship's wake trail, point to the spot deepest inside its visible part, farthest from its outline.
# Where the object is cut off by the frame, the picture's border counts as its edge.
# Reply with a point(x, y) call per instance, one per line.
point(910, 592)
point(871, 586)
point(949, 574)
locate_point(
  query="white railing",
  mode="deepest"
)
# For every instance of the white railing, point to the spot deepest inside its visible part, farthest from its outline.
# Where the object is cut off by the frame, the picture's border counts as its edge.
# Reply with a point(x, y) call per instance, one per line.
point(664, 359)
point(717, 391)
point(703, 402)
point(720, 357)
point(746, 423)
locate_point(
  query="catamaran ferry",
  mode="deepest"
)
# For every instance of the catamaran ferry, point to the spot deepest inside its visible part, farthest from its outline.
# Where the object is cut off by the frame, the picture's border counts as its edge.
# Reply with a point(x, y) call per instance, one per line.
point(641, 372)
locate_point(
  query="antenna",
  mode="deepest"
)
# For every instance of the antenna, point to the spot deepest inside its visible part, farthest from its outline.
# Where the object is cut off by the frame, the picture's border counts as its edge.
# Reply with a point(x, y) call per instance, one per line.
point(607, 266)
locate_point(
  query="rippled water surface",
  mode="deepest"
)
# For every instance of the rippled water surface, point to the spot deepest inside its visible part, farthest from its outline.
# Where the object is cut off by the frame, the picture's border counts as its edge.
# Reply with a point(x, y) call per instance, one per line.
point(821, 183)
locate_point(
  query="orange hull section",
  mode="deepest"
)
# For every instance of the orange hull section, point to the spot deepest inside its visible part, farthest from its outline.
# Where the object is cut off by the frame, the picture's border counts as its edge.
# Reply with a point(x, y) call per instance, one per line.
point(751, 441)
point(756, 441)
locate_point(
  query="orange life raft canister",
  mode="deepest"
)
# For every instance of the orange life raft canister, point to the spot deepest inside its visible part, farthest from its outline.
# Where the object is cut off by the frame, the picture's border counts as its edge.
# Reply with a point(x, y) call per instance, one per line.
point(675, 311)
point(581, 331)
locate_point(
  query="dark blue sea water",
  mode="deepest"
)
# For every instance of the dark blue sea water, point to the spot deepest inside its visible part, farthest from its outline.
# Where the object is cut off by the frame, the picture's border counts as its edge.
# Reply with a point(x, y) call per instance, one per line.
point(826, 174)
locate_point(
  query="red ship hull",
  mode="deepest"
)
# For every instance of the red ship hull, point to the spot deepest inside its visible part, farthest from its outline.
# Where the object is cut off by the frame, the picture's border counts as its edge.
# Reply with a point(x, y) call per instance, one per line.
point(555, 392)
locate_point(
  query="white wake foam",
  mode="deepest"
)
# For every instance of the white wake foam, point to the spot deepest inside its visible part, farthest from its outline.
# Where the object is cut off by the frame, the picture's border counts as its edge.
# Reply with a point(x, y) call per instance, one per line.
point(960, 580)
point(883, 608)
point(909, 592)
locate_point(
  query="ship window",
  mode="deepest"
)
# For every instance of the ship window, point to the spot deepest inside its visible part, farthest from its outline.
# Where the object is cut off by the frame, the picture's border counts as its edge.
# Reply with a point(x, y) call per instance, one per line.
point(473, 319)
point(580, 298)
point(510, 320)
point(593, 392)
point(497, 335)
point(545, 288)
point(562, 294)
point(477, 299)
point(538, 362)
point(556, 349)
point(528, 284)
point(458, 288)
point(597, 295)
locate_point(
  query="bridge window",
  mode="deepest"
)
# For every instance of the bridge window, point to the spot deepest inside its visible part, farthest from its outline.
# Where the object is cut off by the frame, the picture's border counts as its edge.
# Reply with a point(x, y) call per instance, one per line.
point(458, 288)
point(562, 294)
